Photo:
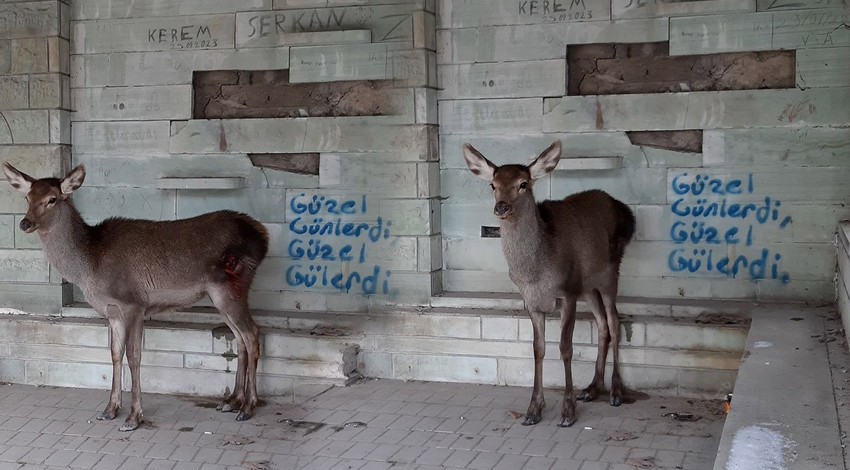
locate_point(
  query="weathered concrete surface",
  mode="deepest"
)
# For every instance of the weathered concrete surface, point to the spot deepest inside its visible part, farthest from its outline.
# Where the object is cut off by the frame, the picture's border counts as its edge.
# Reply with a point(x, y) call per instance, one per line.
point(783, 408)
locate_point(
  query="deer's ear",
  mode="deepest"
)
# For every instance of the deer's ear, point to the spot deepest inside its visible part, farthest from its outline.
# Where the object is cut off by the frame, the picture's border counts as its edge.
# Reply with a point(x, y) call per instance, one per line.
point(546, 161)
point(478, 165)
point(20, 181)
point(73, 180)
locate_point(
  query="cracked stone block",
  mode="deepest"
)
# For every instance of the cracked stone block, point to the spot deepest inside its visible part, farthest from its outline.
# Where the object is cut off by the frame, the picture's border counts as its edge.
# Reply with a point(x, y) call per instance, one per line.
point(610, 69)
point(269, 94)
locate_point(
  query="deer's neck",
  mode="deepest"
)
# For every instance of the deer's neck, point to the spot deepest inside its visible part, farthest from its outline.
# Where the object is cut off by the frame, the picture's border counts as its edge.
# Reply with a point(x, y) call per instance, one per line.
point(523, 241)
point(67, 243)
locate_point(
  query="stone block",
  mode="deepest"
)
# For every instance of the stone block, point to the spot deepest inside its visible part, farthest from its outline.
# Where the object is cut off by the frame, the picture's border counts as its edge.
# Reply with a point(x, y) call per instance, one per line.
point(5, 56)
point(492, 116)
point(477, 281)
point(466, 220)
point(388, 23)
point(582, 334)
point(426, 109)
point(758, 31)
point(375, 364)
point(429, 253)
point(266, 205)
point(60, 126)
point(473, 254)
point(477, 13)
point(29, 56)
point(773, 5)
point(820, 146)
point(340, 171)
point(630, 185)
point(183, 381)
point(287, 346)
point(347, 134)
point(415, 217)
point(154, 34)
point(166, 339)
point(96, 204)
point(13, 371)
point(445, 369)
point(59, 55)
point(24, 127)
point(548, 41)
point(725, 109)
point(499, 328)
point(106, 9)
point(29, 20)
point(62, 353)
point(13, 92)
point(177, 67)
point(149, 138)
point(523, 148)
point(34, 298)
point(343, 62)
point(503, 80)
point(424, 30)
point(700, 383)
point(64, 333)
point(621, 9)
point(825, 67)
point(260, 35)
point(7, 231)
point(23, 240)
point(695, 337)
point(444, 46)
point(133, 103)
point(46, 91)
point(69, 374)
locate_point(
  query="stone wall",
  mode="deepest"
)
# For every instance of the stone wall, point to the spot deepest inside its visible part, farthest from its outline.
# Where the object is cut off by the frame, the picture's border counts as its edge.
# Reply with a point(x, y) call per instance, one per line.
point(35, 104)
point(718, 121)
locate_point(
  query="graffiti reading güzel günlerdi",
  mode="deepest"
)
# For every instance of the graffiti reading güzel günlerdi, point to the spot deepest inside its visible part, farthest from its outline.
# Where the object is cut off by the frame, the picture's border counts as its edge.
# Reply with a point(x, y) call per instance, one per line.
point(330, 244)
point(716, 217)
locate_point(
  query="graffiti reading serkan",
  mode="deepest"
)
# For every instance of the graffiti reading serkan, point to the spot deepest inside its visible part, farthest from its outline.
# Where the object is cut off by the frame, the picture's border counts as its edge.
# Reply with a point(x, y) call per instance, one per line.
point(706, 204)
point(328, 251)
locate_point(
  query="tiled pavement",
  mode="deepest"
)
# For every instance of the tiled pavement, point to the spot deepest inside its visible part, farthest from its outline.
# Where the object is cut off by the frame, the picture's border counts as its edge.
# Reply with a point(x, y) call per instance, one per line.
point(370, 425)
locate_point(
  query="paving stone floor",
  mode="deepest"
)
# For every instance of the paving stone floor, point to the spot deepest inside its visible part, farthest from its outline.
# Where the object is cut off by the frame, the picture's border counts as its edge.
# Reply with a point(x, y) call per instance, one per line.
point(375, 424)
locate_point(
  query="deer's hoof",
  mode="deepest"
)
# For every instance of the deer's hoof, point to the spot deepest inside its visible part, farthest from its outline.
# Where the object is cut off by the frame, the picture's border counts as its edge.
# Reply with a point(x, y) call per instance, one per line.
point(616, 400)
point(566, 422)
point(106, 416)
point(128, 426)
point(586, 395)
point(224, 407)
point(531, 420)
point(243, 416)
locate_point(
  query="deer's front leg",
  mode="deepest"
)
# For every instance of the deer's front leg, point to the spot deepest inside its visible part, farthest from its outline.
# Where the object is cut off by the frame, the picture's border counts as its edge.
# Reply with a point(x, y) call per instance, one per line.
point(117, 345)
point(134, 358)
point(568, 323)
point(535, 408)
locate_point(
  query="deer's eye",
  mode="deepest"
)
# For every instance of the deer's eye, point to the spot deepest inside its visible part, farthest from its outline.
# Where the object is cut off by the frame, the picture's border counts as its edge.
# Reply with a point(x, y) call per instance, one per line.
point(492, 187)
point(523, 185)
point(52, 200)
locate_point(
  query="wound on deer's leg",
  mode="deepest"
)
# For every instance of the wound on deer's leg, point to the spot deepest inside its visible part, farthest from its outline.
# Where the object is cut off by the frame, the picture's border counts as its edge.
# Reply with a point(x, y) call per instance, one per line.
point(234, 269)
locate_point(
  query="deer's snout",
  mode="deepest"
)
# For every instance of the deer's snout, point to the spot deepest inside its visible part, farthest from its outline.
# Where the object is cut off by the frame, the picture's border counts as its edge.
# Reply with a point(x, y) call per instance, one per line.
point(502, 208)
point(26, 225)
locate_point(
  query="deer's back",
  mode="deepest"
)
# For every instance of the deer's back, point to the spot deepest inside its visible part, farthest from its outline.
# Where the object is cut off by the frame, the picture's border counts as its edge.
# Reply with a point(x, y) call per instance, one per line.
point(162, 255)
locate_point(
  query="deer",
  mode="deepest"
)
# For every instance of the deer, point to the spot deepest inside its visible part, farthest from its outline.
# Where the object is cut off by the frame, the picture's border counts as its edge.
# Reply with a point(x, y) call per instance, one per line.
point(557, 252)
point(131, 268)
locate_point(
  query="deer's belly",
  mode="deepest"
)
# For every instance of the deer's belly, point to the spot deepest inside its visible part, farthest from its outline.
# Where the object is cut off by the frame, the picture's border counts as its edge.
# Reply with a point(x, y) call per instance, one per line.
point(165, 299)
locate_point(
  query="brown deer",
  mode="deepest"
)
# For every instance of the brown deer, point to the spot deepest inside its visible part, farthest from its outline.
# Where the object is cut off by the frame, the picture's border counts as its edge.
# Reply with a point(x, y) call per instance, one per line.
point(129, 268)
point(558, 251)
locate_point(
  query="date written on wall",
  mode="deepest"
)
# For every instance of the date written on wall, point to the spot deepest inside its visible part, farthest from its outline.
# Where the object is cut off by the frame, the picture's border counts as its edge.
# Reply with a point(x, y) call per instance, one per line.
point(185, 37)
point(555, 11)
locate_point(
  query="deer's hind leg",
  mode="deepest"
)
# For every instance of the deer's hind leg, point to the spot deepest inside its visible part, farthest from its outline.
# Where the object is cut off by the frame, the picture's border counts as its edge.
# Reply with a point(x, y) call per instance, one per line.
point(135, 329)
point(597, 385)
point(234, 309)
point(609, 300)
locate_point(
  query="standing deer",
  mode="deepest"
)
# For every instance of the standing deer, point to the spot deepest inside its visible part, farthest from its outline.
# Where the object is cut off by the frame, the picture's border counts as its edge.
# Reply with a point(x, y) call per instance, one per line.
point(558, 251)
point(129, 268)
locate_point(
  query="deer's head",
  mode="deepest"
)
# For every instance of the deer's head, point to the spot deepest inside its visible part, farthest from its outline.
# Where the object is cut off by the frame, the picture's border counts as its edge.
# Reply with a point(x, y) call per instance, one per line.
point(512, 183)
point(43, 195)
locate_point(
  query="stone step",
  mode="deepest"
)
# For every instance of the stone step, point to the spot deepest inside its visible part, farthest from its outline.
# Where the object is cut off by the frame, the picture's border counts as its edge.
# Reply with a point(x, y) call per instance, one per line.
point(679, 348)
point(192, 358)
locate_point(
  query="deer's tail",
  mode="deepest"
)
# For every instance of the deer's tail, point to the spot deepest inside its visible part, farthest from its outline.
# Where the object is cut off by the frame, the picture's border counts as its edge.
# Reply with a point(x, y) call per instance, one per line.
point(245, 253)
point(624, 229)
